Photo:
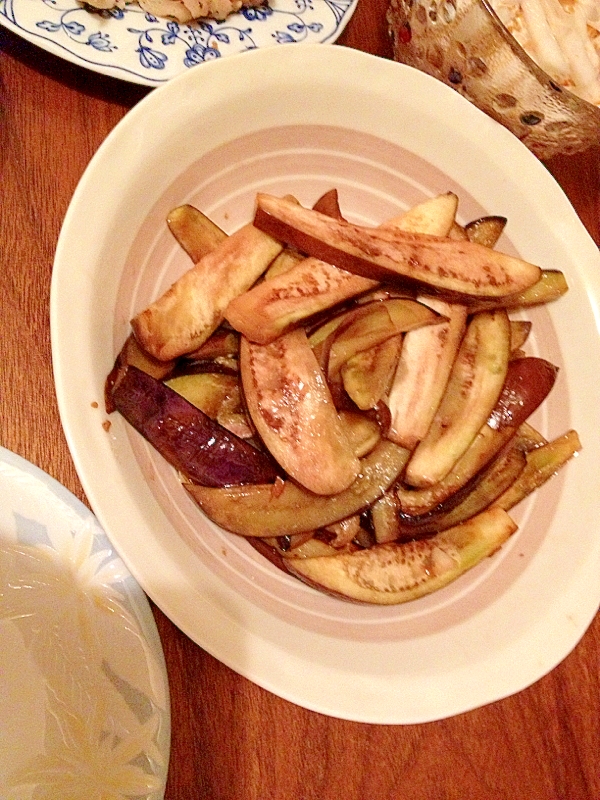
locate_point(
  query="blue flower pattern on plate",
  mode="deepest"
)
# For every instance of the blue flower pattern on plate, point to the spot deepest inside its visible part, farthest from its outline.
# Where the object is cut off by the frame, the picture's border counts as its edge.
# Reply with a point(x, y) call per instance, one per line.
point(136, 46)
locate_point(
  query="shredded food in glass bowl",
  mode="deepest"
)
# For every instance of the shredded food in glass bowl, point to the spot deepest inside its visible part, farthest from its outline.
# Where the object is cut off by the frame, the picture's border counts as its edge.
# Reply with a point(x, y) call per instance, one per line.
point(561, 36)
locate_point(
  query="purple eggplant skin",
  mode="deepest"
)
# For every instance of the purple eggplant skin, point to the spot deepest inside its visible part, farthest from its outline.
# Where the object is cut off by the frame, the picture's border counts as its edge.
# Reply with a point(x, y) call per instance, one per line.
point(528, 383)
point(193, 443)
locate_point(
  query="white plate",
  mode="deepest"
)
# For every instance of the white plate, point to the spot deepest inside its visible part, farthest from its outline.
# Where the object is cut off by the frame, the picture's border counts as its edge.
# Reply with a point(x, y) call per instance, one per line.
point(138, 47)
point(84, 690)
point(302, 120)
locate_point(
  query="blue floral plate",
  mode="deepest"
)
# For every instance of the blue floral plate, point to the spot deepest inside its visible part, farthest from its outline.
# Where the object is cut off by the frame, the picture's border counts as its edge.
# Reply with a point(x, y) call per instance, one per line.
point(141, 48)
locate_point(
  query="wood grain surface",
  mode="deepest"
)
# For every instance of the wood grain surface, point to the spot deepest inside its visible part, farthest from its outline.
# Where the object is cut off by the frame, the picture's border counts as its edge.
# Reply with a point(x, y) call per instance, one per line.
point(232, 740)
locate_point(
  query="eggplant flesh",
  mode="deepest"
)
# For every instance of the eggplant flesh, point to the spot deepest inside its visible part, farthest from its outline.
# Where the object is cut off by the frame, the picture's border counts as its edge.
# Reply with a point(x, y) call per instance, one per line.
point(528, 382)
point(475, 497)
point(188, 439)
point(464, 268)
point(397, 572)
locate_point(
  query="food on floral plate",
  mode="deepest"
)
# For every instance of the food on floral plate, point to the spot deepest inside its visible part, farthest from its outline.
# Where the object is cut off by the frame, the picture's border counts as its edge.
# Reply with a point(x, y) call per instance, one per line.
point(385, 413)
point(182, 10)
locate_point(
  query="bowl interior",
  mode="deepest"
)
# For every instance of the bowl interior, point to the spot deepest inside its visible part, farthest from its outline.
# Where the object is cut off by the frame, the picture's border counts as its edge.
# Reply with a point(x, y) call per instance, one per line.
point(375, 180)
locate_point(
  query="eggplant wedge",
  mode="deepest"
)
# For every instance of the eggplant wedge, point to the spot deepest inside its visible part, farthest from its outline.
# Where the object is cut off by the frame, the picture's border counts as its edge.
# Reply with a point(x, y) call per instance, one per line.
point(196, 233)
point(434, 216)
point(368, 374)
point(276, 305)
point(542, 463)
point(486, 230)
point(422, 374)
point(528, 383)
point(185, 316)
point(450, 266)
point(551, 285)
point(193, 443)
point(311, 286)
point(497, 478)
point(286, 508)
point(370, 325)
point(388, 574)
point(472, 391)
point(132, 354)
point(292, 409)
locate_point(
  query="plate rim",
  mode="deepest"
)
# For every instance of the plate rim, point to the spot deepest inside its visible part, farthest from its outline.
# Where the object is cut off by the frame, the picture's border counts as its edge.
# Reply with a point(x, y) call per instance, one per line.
point(345, 59)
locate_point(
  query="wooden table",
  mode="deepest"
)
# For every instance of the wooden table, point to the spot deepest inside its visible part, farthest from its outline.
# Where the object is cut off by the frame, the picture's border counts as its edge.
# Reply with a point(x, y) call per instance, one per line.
point(232, 740)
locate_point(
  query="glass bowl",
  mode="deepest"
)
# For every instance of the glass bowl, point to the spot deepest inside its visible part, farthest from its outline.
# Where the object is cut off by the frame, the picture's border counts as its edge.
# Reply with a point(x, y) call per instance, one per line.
point(464, 44)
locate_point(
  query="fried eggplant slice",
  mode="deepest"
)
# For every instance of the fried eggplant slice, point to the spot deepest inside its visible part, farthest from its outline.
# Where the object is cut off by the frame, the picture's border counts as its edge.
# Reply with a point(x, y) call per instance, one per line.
point(292, 409)
point(193, 443)
point(472, 391)
point(276, 305)
point(542, 463)
point(197, 234)
point(132, 354)
point(551, 285)
point(486, 230)
point(449, 266)
point(368, 374)
point(287, 509)
point(397, 572)
point(185, 316)
point(528, 382)
point(422, 373)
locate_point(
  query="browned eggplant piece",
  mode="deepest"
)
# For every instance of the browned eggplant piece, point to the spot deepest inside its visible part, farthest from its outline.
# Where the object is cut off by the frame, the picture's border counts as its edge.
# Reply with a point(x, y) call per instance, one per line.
point(385, 518)
point(368, 374)
point(458, 232)
point(522, 392)
point(397, 572)
point(434, 216)
point(363, 431)
point(223, 343)
point(132, 353)
point(475, 497)
point(329, 204)
point(422, 373)
point(187, 438)
point(283, 263)
point(450, 266)
point(268, 511)
point(183, 318)
point(342, 533)
point(485, 230)
point(542, 463)
point(551, 285)
point(194, 231)
point(474, 385)
point(528, 382)
point(519, 333)
point(288, 297)
point(292, 409)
